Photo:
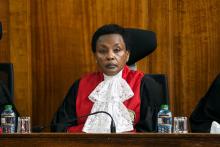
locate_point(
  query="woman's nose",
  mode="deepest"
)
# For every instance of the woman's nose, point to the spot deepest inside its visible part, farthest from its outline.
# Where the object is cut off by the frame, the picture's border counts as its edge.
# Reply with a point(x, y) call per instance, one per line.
point(110, 55)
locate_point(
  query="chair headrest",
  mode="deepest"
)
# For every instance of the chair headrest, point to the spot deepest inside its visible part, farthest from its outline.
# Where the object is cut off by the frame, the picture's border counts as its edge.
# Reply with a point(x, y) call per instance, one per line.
point(141, 43)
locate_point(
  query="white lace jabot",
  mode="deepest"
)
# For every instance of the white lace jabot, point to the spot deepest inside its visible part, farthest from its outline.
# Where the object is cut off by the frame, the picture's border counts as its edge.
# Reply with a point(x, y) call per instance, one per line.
point(109, 96)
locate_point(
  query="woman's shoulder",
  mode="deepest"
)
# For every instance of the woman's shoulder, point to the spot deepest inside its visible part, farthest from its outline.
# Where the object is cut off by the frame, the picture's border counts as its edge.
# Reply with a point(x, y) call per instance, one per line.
point(145, 78)
point(92, 76)
point(132, 74)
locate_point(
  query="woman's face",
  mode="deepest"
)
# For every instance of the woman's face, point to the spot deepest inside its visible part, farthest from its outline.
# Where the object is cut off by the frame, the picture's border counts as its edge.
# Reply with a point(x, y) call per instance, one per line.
point(111, 53)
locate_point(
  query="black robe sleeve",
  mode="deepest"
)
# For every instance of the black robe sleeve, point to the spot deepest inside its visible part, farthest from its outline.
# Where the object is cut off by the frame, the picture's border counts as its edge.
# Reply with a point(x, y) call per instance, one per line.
point(151, 100)
point(207, 110)
point(66, 113)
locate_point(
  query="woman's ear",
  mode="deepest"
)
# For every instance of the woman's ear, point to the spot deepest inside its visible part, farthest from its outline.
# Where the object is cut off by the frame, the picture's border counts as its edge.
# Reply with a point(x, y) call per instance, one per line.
point(128, 55)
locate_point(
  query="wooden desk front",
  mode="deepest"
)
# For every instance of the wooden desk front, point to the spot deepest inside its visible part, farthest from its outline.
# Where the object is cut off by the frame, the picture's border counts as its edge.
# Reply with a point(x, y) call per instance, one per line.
point(109, 140)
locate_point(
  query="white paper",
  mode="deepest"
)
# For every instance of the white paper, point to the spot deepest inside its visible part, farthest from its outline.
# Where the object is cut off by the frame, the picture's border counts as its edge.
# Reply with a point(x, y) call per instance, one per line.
point(215, 128)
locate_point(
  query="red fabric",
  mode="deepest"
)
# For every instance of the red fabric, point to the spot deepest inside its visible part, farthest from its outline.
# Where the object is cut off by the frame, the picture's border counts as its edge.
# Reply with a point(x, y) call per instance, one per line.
point(75, 129)
point(1, 131)
point(89, 82)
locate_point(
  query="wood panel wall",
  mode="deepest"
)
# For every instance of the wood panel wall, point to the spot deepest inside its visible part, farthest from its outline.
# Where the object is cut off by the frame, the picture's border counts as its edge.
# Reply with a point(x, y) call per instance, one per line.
point(15, 47)
point(4, 44)
point(49, 44)
point(197, 50)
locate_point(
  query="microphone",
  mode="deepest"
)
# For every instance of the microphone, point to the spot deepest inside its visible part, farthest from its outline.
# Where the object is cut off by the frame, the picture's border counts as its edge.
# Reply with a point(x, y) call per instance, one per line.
point(112, 125)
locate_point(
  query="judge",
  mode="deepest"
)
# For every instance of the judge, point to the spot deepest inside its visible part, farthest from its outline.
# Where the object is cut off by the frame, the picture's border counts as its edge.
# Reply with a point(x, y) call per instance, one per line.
point(132, 98)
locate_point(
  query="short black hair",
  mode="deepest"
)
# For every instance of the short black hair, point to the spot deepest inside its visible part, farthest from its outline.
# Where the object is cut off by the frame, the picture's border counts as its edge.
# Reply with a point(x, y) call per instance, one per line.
point(109, 29)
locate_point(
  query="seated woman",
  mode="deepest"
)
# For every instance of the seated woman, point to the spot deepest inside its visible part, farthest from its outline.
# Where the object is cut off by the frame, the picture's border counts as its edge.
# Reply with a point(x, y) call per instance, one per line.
point(132, 99)
point(207, 110)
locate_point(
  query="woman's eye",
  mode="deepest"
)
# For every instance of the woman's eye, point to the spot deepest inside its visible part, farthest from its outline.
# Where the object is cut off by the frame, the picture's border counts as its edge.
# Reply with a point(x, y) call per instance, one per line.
point(116, 50)
point(101, 50)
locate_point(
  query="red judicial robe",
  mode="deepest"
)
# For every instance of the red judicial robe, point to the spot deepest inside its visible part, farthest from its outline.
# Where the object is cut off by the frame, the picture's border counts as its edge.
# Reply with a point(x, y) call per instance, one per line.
point(145, 103)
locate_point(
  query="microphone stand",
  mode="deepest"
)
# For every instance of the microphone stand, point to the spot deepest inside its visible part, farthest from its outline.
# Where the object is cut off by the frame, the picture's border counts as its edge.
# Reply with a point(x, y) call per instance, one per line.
point(112, 126)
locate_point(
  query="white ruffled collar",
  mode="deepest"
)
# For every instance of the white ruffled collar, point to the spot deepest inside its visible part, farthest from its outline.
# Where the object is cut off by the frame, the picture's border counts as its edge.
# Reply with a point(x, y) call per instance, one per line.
point(109, 96)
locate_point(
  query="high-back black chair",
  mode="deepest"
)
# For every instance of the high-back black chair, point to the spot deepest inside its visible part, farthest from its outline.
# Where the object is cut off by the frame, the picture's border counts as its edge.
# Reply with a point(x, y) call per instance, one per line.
point(7, 86)
point(162, 80)
point(142, 43)
point(7, 77)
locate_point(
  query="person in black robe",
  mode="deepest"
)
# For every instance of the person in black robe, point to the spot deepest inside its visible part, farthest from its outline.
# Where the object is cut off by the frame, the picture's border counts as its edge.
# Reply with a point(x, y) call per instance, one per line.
point(207, 110)
point(151, 94)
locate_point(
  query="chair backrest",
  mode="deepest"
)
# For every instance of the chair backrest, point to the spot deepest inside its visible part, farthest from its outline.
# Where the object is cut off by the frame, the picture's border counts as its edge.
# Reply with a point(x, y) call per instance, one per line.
point(7, 77)
point(141, 43)
point(162, 79)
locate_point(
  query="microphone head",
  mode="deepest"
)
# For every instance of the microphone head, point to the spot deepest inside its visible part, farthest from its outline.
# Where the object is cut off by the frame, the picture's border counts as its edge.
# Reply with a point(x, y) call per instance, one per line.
point(113, 128)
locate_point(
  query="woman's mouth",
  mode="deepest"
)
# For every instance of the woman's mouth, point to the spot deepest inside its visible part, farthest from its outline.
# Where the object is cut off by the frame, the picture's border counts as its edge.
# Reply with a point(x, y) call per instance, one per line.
point(111, 66)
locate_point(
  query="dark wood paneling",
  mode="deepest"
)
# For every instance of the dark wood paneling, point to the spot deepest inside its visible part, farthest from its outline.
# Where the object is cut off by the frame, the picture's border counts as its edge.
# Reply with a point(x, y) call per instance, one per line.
point(49, 43)
point(15, 48)
point(4, 44)
point(160, 20)
point(196, 50)
point(20, 53)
